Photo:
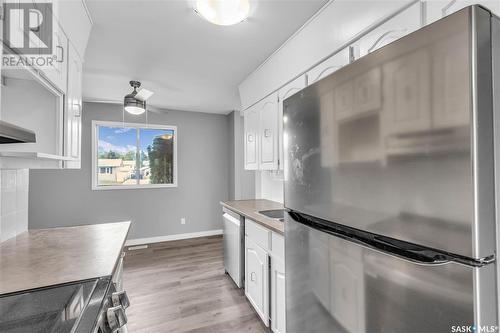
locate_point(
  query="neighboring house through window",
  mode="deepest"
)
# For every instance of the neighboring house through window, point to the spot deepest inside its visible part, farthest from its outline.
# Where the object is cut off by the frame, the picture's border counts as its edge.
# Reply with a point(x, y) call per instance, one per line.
point(127, 155)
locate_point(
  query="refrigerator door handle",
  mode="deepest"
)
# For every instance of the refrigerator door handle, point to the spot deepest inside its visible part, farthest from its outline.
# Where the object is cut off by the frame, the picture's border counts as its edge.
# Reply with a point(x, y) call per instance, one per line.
point(390, 246)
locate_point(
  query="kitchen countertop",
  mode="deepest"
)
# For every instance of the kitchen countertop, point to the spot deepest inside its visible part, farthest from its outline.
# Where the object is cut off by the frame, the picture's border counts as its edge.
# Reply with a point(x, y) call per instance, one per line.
point(250, 209)
point(44, 257)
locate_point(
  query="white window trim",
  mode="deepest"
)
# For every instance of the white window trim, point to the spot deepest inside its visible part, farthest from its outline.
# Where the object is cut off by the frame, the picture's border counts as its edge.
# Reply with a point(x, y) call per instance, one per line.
point(95, 142)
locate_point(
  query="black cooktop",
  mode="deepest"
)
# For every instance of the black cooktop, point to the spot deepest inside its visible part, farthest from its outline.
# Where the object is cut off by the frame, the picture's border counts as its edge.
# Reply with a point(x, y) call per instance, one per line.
point(55, 309)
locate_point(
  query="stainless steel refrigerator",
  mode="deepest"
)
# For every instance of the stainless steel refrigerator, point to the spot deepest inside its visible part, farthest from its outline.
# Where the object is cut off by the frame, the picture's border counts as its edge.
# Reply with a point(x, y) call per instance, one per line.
point(390, 186)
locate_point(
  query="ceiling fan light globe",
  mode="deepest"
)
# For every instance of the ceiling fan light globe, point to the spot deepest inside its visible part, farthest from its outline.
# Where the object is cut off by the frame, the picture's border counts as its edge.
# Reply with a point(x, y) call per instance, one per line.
point(135, 110)
point(226, 12)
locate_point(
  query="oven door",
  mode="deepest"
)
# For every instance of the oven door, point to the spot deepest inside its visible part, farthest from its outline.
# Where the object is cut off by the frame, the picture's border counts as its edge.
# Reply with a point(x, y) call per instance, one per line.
point(335, 285)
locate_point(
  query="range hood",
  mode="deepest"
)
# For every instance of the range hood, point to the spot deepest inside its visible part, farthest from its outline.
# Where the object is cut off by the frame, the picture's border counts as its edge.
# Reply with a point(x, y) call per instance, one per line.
point(10, 133)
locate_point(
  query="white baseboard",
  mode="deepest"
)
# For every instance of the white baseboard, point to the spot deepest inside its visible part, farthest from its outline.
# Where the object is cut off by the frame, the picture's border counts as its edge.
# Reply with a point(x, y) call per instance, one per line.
point(149, 240)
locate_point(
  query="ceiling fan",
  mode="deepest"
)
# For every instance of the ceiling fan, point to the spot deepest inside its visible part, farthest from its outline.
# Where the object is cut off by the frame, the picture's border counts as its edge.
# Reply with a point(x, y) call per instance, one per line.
point(135, 102)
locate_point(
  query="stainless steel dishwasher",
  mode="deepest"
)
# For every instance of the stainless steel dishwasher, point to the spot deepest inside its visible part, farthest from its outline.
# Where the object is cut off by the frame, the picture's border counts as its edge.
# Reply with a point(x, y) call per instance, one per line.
point(234, 242)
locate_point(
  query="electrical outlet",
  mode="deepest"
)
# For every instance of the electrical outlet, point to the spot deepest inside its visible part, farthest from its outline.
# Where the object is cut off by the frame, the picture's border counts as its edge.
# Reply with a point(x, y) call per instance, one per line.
point(183, 220)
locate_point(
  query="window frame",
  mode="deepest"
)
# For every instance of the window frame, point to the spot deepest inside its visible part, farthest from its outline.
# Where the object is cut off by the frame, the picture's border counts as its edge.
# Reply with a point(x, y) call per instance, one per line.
point(138, 126)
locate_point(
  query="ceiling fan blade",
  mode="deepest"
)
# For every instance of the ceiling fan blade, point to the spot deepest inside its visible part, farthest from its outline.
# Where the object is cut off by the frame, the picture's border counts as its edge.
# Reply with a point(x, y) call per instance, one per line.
point(144, 94)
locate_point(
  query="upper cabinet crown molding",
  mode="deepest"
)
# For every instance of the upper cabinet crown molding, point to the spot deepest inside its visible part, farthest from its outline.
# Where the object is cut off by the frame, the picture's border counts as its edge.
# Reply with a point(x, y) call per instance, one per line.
point(324, 45)
point(330, 30)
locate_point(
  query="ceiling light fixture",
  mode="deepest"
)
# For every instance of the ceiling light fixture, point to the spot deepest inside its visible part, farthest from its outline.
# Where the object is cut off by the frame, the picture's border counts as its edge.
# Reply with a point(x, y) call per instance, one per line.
point(223, 12)
point(135, 102)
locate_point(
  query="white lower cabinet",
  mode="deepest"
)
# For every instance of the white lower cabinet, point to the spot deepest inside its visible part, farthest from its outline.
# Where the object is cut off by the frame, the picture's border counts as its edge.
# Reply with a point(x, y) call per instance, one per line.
point(257, 278)
point(278, 304)
point(265, 274)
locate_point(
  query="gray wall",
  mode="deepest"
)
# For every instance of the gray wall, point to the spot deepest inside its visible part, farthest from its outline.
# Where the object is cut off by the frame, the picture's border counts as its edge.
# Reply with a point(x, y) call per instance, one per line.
point(65, 197)
point(241, 182)
point(231, 159)
point(244, 180)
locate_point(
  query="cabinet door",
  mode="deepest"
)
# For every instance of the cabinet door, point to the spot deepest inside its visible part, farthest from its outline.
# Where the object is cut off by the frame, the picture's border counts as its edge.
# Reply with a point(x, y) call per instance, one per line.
point(400, 25)
point(251, 125)
point(73, 110)
point(285, 92)
point(75, 21)
point(278, 303)
point(328, 66)
point(256, 278)
point(407, 94)
point(56, 73)
point(56, 70)
point(436, 9)
point(268, 137)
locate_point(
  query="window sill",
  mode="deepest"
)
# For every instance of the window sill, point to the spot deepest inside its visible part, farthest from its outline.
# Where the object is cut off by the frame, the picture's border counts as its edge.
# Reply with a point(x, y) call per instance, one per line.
point(131, 187)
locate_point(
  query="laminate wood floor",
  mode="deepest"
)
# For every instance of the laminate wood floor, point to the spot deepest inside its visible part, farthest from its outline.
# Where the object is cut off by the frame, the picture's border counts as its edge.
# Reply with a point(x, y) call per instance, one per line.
point(180, 286)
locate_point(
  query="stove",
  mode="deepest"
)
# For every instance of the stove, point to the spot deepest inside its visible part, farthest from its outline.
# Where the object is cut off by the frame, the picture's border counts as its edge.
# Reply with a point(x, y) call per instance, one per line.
point(91, 306)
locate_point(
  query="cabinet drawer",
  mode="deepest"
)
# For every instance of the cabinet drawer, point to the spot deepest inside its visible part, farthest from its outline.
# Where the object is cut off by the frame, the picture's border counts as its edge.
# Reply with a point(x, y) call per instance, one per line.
point(260, 235)
point(277, 246)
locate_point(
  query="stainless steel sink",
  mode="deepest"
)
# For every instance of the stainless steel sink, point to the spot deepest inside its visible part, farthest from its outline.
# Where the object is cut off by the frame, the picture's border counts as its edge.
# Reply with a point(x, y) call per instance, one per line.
point(277, 214)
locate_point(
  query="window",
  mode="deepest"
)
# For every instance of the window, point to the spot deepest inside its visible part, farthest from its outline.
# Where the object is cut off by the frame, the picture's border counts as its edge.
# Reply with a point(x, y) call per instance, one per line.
point(129, 155)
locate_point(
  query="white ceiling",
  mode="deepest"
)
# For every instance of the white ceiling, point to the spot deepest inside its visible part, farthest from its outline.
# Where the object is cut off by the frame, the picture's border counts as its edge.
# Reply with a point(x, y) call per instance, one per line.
point(188, 62)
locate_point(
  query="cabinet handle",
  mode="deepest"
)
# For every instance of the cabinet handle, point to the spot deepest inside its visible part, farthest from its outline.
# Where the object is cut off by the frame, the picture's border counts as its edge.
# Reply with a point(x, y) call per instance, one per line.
point(353, 53)
point(62, 53)
point(79, 112)
point(253, 276)
point(267, 133)
point(250, 138)
point(396, 33)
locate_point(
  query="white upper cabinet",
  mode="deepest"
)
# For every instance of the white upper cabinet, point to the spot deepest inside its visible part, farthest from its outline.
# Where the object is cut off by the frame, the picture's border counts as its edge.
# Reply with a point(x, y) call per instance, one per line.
point(262, 135)
point(436, 9)
point(400, 25)
point(251, 130)
point(334, 26)
point(73, 110)
point(74, 17)
point(54, 108)
point(56, 73)
point(268, 109)
point(291, 88)
point(328, 66)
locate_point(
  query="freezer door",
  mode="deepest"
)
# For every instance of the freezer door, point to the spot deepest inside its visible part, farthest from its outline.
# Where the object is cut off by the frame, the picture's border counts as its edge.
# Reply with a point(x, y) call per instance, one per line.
point(400, 142)
point(334, 285)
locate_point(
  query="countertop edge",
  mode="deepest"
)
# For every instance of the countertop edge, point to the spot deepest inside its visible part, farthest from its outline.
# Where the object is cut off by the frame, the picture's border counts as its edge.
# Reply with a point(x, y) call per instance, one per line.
point(257, 219)
point(122, 247)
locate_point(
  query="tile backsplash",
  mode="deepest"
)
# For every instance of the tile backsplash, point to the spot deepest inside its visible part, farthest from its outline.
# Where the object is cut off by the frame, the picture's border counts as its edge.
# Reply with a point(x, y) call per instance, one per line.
point(14, 187)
